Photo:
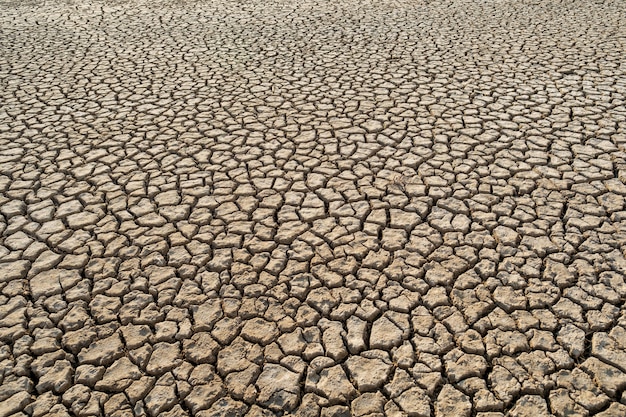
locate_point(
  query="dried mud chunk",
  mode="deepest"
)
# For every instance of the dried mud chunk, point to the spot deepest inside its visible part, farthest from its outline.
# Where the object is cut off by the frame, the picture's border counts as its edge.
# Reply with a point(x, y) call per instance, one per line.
point(162, 397)
point(279, 388)
point(333, 384)
point(561, 404)
point(572, 338)
point(385, 334)
point(259, 331)
point(16, 403)
point(582, 389)
point(414, 402)
point(52, 282)
point(452, 402)
point(461, 365)
point(369, 374)
point(606, 348)
point(58, 378)
point(207, 314)
point(225, 407)
point(164, 357)
point(505, 386)
point(614, 410)
point(609, 379)
point(119, 376)
point(10, 271)
point(368, 404)
point(102, 352)
point(530, 406)
point(203, 396)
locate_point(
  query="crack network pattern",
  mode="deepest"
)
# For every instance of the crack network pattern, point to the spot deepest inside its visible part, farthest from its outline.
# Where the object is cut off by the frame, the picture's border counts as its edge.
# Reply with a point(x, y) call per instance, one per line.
point(313, 208)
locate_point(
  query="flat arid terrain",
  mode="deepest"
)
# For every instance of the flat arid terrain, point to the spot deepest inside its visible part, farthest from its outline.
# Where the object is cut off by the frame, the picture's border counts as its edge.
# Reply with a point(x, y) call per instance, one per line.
point(313, 208)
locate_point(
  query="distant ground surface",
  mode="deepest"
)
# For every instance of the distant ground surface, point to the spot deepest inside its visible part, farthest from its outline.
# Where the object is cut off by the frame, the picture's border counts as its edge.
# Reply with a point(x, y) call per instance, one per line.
point(318, 208)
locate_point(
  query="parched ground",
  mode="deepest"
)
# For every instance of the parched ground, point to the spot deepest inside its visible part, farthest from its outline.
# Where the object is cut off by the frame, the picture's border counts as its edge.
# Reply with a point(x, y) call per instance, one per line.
point(313, 208)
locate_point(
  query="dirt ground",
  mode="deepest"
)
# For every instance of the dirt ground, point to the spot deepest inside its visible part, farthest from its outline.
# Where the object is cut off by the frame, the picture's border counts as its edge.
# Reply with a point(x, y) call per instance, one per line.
point(313, 208)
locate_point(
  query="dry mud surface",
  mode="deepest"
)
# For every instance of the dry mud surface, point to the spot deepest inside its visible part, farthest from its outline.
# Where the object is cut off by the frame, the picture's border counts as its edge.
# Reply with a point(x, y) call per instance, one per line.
point(313, 208)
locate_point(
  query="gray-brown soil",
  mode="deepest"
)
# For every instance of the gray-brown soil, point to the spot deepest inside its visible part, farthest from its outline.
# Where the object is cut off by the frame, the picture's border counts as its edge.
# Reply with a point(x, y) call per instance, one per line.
point(313, 208)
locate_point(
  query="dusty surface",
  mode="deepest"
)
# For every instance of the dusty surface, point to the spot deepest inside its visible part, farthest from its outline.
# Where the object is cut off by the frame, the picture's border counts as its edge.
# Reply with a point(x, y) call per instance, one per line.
point(317, 208)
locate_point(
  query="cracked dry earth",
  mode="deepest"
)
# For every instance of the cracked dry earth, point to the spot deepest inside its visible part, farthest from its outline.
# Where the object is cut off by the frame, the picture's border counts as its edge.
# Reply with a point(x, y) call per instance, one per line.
point(313, 208)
